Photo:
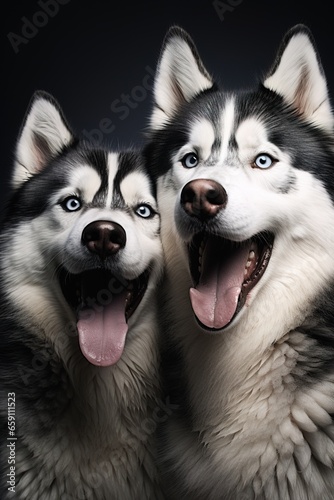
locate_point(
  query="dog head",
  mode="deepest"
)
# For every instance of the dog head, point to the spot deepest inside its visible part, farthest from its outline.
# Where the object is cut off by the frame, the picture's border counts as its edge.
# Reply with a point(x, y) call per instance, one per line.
point(237, 170)
point(81, 235)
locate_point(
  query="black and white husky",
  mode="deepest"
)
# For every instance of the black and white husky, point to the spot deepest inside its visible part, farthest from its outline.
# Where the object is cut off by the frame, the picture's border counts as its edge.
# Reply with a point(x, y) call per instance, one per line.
point(80, 259)
point(246, 192)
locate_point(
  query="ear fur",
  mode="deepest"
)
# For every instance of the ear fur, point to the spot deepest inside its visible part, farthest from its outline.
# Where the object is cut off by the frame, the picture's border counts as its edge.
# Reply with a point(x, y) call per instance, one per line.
point(43, 135)
point(297, 76)
point(180, 76)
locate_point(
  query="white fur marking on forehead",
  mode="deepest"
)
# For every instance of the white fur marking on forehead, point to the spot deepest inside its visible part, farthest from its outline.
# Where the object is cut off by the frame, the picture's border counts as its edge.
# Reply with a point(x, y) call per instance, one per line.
point(112, 171)
point(251, 133)
point(86, 180)
point(252, 139)
point(227, 126)
point(135, 188)
point(202, 136)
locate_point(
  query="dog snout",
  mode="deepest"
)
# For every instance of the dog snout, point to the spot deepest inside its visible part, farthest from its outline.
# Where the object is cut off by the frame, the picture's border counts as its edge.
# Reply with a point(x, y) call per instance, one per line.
point(203, 198)
point(104, 238)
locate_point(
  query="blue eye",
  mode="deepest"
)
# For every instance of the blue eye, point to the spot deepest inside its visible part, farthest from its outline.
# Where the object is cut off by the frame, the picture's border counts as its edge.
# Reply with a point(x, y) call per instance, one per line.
point(190, 160)
point(263, 161)
point(71, 204)
point(145, 211)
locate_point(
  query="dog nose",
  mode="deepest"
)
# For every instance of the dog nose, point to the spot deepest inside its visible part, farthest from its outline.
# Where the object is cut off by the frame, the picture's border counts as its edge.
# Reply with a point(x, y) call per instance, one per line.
point(203, 198)
point(104, 238)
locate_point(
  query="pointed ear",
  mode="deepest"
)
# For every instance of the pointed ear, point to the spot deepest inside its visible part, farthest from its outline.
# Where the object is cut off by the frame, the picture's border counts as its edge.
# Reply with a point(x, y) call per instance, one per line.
point(297, 75)
point(43, 135)
point(180, 76)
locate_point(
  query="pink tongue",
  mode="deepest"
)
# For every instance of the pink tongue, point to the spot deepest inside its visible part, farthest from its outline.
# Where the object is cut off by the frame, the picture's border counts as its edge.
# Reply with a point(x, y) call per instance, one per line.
point(102, 331)
point(215, 298)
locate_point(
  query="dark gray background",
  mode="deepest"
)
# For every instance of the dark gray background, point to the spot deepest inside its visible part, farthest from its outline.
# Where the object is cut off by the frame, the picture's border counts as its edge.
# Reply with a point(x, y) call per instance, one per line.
point(90, 55)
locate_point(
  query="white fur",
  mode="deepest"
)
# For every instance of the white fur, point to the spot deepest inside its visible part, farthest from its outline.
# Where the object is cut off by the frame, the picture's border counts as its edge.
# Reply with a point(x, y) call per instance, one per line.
point(83, 180)
point(254, 431)
point(240, 379)
point(132, 188)
point(227, 127)
point(102, 445)
point(112, 167)
point(201, 137)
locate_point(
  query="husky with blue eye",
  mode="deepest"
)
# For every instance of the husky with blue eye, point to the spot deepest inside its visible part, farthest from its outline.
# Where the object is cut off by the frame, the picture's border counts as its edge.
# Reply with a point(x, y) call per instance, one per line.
point(246, 192)
point(80, 261)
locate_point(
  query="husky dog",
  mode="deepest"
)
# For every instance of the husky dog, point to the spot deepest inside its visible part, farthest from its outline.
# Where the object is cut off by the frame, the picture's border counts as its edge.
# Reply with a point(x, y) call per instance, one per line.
point(80, 259)
point(245, 192)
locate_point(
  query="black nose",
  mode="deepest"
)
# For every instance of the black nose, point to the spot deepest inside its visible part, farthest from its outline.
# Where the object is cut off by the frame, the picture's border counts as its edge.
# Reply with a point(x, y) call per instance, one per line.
point(203, 198)
point(104, 238)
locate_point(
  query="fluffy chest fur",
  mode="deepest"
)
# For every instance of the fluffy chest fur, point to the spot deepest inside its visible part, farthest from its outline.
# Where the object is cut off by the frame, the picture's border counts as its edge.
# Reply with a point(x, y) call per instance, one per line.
point(83, 430)
point(261, 417)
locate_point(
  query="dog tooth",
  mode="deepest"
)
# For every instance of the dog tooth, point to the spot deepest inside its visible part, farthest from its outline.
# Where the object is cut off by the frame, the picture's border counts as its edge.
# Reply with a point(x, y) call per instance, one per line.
point(251, 254)
point(253, 246)
point(248, 263)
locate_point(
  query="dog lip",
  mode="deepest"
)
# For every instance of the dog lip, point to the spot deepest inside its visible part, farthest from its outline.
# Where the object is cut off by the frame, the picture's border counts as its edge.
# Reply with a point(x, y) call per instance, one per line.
point(136, 292)
point(256, 275)
point(208, 329)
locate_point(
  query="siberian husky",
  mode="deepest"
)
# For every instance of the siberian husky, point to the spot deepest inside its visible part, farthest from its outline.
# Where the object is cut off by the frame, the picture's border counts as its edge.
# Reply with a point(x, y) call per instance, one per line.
point(80, 259)
point(246, 192)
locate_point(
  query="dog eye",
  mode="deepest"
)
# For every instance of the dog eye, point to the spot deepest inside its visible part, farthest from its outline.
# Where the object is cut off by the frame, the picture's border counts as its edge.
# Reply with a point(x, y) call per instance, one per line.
point(71, 204)
point(145, 211)
point(190, 160)
point(263, 161)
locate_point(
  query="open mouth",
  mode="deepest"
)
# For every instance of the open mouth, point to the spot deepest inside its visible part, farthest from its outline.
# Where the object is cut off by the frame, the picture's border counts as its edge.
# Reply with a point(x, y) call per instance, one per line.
point(103, 304)
point(224, 272)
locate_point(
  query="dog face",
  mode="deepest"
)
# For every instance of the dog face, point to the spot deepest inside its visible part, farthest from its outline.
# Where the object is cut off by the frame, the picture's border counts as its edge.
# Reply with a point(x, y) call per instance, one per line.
point(82, 230)
point(236, 172)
